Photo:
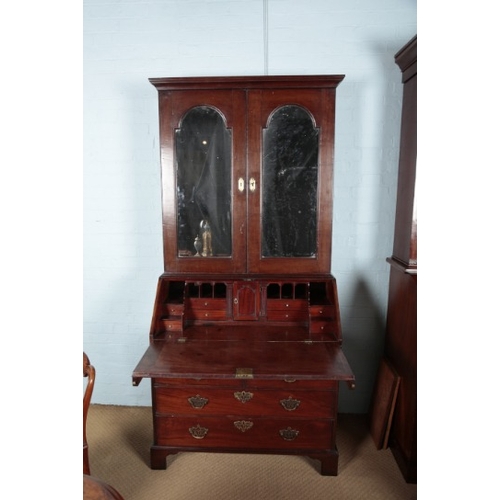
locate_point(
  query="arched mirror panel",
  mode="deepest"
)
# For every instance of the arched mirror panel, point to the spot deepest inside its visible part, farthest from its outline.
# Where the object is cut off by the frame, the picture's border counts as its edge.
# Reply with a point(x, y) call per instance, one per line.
point(290, 184)
point(203, 146)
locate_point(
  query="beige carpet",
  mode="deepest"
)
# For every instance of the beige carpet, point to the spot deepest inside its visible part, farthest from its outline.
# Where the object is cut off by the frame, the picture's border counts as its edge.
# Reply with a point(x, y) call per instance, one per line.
point(119, 438)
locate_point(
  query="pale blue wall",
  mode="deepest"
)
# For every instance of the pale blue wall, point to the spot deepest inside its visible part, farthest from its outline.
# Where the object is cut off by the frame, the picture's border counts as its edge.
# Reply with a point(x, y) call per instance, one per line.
point(127, 42)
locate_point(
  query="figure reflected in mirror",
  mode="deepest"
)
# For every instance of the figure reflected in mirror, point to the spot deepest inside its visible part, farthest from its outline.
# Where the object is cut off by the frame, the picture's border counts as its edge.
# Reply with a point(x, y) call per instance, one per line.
point(206, 236)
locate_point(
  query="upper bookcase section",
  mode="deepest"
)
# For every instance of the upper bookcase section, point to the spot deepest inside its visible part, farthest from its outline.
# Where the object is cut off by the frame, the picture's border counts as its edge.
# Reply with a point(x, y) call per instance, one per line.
point(247, 173)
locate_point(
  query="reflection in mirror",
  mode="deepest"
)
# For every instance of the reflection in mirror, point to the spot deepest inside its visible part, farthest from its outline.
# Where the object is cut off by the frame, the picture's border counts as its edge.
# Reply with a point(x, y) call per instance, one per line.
point(289, 184)
point(203, 156)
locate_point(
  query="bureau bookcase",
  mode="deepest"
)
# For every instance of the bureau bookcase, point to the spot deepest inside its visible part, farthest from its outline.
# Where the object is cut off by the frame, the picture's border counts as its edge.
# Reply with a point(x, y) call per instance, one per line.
point(401, 327)
point(245, 346)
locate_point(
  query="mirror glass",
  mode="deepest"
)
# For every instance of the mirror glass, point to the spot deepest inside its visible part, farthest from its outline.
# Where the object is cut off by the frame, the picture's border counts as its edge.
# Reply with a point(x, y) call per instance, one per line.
point(203, 159)
point(289, 184)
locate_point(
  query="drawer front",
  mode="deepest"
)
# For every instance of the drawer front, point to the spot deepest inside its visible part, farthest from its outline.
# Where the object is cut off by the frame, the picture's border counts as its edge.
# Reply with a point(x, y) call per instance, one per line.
point(203, 401)
point(287, 315)
point(292, 384)
point(286, 305)
point(172, 325)
point(174, 309)
point(206, 309)
point(320, 326)
point(201, 382)
point(207, 314)
point(201, 304)
point(323, 311)
point(287, 383)
point(247, 432)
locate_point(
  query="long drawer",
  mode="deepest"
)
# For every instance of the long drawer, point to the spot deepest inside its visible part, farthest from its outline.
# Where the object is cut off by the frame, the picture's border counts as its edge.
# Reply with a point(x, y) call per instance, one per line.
point(287, 383)
point(248, 433)
point(259, 402)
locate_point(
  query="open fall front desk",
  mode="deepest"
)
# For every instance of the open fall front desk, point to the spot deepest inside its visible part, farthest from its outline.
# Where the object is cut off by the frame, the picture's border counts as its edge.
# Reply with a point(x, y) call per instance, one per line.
point(244, 389)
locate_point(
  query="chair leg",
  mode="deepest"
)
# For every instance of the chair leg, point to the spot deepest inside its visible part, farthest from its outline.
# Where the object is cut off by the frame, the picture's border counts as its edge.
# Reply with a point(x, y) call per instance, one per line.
point(86, 466)
point(88, 371)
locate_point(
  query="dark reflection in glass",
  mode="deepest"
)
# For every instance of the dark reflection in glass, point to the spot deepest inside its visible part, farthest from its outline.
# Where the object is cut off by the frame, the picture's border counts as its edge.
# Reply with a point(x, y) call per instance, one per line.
point(290, 179)
point(203, 155)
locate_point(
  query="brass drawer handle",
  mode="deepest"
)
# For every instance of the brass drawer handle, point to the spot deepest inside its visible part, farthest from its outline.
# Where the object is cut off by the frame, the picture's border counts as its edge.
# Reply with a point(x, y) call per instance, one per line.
point(290, 404)
point(289, 434)
point(197, 401)
point(198, 432)
point(243, 425)
point(243, 396)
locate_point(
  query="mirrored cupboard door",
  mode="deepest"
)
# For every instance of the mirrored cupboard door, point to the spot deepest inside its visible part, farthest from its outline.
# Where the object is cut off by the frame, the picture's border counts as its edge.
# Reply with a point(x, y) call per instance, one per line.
point(290, 163)
point(203, 157)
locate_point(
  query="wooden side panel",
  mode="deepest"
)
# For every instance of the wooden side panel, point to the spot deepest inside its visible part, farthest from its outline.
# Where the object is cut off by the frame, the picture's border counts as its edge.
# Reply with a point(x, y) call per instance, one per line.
point(405, 239)
point(401, 350)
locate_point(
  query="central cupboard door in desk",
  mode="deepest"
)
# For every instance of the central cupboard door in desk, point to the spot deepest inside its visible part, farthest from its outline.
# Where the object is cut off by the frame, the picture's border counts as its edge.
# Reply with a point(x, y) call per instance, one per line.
point(242, 168)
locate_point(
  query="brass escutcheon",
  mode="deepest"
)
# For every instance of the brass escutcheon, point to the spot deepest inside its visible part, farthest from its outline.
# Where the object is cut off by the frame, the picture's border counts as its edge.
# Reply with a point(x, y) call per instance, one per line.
point(197, 401)
point(290, 404)
point(244, 373)
point(243, 425)
point(243, 396)
point(198, 432)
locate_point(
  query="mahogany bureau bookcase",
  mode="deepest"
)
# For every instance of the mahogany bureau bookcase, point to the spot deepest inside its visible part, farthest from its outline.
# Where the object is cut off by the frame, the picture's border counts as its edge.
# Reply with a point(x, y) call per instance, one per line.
point(245, 347)
point(401, 327)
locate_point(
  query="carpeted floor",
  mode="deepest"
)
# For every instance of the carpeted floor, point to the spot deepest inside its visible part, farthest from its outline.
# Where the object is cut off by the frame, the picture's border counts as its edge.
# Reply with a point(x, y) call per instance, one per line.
point(119, 438)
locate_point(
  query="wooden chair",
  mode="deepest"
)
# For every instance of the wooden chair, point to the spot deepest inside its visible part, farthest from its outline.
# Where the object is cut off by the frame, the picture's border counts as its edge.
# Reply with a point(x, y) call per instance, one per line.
point(88, 371)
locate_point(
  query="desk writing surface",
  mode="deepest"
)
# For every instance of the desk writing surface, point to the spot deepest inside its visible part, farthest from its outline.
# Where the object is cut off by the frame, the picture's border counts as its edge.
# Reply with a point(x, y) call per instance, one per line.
point(205, 356)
